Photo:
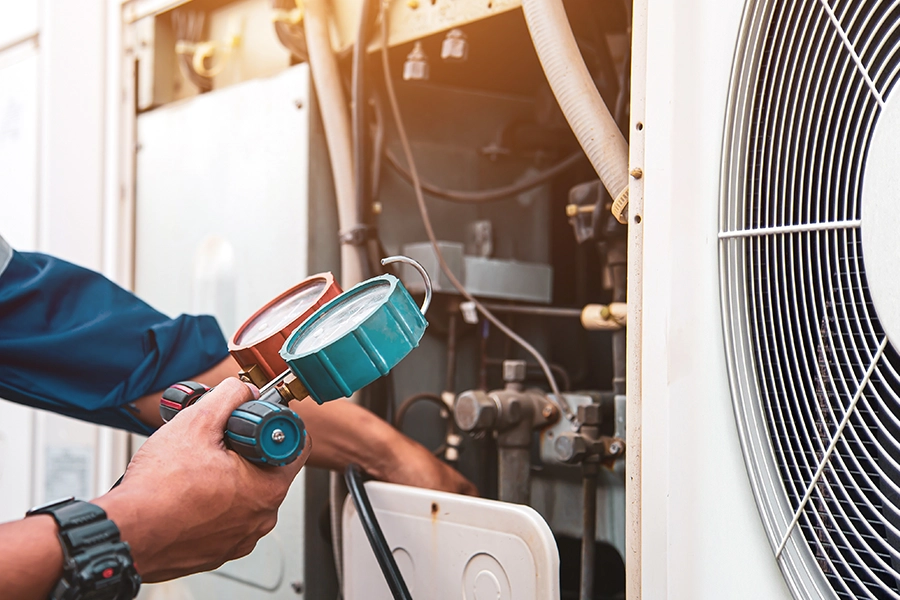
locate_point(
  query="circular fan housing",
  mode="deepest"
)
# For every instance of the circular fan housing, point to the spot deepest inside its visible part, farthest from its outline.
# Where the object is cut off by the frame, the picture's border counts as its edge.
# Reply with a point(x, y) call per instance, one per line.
point(257, 342)
point(809, 238)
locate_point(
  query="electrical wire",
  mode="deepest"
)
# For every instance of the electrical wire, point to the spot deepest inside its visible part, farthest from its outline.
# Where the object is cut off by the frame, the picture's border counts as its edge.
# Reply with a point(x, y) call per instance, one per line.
point(290, 36)
point(498, 193)
point(376, 537)
point(558, 398)
point(188, 26)
point(377, 145)
point(446, 414)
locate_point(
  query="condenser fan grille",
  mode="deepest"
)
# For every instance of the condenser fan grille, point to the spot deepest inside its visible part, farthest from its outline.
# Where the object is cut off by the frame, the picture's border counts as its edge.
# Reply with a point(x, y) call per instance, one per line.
point(816, 381)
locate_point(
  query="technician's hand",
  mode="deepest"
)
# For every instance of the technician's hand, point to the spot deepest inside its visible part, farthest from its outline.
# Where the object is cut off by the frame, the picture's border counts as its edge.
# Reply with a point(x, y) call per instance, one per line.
point(416, 465)
point(346, 433)
point(189, 504)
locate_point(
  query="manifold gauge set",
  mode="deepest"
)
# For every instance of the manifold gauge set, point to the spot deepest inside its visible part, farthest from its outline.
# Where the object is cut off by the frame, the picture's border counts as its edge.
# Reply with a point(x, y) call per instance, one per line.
point(312, 340)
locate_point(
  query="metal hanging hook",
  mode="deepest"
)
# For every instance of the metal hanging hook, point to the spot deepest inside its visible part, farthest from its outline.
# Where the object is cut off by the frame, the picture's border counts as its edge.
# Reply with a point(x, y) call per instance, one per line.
point(405, 259)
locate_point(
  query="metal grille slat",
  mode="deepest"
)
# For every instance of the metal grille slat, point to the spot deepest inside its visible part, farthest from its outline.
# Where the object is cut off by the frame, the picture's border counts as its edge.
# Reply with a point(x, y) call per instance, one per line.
point(802, 334)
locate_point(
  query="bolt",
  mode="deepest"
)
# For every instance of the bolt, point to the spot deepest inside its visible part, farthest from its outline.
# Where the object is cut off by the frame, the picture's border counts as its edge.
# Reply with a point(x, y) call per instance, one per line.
point(615, 448)
point(455, 47)
point(548, 411)
point(637, 173)
point(278, 436)
point(589, 414)
point(513, 371)
point(475, 411)
point(570, 447)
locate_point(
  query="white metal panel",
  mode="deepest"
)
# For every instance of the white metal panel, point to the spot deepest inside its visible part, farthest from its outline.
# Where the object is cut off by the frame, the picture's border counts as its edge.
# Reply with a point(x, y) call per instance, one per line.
point(51, 131)
point(73, 47)
point(701, 533)
point(19, 151)
point(18, 20)
point(221, 192)
point(222, 228)
point(16, 426)
point(449, 546)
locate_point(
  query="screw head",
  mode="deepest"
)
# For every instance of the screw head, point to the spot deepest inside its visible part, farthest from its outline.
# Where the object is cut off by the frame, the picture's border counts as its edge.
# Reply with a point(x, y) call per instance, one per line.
point(278, 436)
point(548, 411)
point(616, 448)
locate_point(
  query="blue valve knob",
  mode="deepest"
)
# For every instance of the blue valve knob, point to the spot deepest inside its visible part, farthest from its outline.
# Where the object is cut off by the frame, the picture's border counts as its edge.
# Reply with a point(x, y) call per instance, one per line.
point(262, 431)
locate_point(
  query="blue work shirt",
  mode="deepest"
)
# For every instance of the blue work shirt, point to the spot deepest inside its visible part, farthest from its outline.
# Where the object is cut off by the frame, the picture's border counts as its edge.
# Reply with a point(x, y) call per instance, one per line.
point(75, 343)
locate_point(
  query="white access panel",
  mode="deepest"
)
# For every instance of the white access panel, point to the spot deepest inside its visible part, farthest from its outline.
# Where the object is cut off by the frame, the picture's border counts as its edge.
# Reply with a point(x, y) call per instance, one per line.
point(221, 198)
point(451, 547)
point(18, 21)
point(701, 535)
point(221, 229)
point(52, 206)
point(19, 148)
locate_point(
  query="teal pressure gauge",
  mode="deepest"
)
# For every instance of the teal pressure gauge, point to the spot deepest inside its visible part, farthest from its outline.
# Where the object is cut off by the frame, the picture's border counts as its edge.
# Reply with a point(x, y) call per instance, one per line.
point(357, 337)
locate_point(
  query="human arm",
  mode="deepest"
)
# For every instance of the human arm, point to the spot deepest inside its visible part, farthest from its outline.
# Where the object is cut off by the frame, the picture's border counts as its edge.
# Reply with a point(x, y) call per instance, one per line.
point(346, 433)
point(186, 504)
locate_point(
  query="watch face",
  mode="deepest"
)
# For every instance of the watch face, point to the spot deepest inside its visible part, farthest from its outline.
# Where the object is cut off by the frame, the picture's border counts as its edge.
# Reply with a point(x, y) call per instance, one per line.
point(109, 576)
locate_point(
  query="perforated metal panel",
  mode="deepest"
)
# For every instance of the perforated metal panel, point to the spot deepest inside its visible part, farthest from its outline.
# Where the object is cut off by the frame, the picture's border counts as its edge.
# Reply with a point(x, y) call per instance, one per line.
point(814, 375)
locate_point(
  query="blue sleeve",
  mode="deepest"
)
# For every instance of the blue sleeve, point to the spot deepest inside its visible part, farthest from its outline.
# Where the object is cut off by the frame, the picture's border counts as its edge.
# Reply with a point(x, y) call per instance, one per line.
point(75, 343)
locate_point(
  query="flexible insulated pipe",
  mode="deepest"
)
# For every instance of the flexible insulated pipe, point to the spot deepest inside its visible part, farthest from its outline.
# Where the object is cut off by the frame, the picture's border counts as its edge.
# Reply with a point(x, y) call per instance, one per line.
point(584, 109)
point(333, 107)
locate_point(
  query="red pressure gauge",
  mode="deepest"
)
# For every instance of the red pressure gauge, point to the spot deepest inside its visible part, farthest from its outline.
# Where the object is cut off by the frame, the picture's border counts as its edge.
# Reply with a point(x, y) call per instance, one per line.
point(256, 343)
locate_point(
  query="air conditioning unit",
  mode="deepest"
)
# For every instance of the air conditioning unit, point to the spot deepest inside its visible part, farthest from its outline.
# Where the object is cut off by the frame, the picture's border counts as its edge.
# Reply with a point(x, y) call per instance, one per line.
point(765, 322)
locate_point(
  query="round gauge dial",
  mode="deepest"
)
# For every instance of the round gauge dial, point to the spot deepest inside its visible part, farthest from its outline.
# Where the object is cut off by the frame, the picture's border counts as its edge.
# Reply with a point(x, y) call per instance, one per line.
point(279, 314)
point(256, 343)
point(355, 339)
point(342, 318)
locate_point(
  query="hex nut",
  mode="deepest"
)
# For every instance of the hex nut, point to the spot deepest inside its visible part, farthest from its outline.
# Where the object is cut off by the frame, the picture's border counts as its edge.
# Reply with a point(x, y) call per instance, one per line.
point(514, 371)
point(570, 447)
point(589, 414)
point(474, 411)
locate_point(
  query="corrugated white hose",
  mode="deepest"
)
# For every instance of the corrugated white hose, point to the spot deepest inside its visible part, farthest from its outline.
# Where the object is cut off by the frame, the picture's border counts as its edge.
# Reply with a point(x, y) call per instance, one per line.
point(584, 109)
point(332, 105)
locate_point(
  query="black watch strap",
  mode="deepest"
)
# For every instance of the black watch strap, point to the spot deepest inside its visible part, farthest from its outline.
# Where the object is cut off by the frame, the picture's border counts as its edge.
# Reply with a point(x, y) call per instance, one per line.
point(97, 563)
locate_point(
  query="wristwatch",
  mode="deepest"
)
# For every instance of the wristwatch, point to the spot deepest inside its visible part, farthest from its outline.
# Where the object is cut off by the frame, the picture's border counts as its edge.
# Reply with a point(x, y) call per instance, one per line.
point(97, 564)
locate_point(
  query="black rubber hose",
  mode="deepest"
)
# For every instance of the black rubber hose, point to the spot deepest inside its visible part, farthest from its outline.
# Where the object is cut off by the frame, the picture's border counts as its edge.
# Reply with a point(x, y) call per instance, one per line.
point(433, 399)
point(370, 525)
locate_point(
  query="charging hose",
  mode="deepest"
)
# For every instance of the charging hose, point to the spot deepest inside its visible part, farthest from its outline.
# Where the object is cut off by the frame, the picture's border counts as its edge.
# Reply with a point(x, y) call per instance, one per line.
point(370, 525)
